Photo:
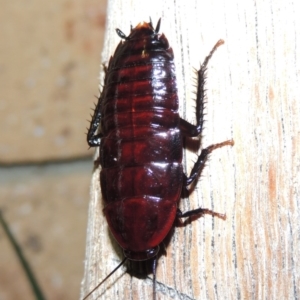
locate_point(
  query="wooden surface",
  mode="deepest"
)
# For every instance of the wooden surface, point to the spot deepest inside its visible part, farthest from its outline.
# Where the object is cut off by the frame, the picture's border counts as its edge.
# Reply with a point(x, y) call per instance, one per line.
point(252, 97)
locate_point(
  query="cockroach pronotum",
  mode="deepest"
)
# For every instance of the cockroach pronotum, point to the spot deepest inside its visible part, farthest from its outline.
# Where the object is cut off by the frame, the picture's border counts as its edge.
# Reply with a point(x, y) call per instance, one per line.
point(139, 131)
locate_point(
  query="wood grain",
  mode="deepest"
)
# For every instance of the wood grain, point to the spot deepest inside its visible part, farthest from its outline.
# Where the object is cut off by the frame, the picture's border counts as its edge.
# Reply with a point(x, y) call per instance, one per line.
point(252, 97)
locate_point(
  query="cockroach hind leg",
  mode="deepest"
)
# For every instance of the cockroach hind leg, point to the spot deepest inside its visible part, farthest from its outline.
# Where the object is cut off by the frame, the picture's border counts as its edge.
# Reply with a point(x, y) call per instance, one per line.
point(208, 57)
point(187, 128)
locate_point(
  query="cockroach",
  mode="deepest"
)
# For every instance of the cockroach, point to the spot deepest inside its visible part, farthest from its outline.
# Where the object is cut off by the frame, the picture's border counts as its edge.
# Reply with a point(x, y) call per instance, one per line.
point(139, 131)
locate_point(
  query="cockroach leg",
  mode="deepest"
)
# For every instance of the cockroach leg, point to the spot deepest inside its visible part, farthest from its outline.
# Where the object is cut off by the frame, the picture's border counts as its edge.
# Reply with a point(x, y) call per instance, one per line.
point(200, 163)
point(187, 128)
point(199, 212)
point(94, 139)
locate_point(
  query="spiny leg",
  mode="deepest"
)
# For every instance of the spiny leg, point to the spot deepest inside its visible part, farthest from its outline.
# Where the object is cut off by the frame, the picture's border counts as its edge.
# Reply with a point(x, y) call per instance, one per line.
point(200, 163)
point(187, 128)
point(198, 167)
point(94, 139)
point(191, 130)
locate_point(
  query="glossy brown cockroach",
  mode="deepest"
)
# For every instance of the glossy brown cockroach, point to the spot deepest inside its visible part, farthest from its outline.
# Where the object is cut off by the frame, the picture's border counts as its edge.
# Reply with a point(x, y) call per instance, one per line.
point(140, 134)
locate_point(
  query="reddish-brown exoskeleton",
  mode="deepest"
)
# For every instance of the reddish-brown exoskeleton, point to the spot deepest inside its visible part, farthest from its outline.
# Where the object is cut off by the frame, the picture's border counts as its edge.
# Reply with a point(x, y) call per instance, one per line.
point(140, 134)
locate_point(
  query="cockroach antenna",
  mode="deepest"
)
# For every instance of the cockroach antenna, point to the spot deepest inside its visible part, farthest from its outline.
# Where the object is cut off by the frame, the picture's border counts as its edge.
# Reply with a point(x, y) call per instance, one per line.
point(99, 284)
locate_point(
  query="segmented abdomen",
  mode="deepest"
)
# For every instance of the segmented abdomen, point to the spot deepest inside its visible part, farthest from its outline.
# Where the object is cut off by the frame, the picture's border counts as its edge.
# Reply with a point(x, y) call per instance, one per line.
point(141, 150)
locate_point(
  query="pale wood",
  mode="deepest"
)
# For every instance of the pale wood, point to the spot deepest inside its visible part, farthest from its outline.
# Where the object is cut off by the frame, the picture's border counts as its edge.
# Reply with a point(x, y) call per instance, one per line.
point(253, 97)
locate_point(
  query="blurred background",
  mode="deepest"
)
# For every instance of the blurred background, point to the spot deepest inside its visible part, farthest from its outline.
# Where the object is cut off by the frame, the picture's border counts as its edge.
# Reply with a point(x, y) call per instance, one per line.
point(49, 69)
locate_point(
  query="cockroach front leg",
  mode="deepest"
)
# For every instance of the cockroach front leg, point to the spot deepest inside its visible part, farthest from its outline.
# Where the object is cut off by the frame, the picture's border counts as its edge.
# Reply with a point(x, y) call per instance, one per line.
point(94, 139)
point(199, 212)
